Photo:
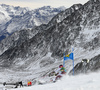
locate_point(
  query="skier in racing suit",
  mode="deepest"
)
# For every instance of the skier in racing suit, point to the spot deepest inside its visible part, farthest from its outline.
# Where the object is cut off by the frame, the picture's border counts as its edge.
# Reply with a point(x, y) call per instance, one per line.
point(59, 73)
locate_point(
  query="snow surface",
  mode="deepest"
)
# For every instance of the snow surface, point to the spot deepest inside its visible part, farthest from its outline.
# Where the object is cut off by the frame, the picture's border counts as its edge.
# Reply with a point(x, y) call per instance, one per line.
point(90, 34)
point(80, 82)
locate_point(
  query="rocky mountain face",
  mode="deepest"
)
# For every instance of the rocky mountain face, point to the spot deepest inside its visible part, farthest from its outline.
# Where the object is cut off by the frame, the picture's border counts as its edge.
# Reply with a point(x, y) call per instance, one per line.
point(17, 18)
point(43, 46)
point(86, 66)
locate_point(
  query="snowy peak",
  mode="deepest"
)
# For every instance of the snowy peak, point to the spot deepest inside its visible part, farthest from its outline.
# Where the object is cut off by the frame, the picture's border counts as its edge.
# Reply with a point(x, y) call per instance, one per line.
point(76, 6)
point(51, 8)
point(62, 8)
point(17, 18)
point(46, 8)
point(63, 15)
point(11, 10)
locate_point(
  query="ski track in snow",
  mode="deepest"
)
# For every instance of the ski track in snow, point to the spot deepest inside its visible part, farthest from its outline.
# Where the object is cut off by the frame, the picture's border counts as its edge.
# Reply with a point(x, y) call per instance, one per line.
point(89, 81)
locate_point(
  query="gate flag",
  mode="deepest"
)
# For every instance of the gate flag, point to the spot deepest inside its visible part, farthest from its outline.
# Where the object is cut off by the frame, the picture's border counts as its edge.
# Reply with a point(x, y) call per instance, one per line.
point(69, 57)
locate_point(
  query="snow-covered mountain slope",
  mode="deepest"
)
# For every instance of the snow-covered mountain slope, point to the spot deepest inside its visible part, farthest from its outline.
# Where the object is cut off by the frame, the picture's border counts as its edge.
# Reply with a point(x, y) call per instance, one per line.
point(80, 82)
point(64, 14)
point(87, 65)
point(8, 13)
point(17, 18)
point(41, 49)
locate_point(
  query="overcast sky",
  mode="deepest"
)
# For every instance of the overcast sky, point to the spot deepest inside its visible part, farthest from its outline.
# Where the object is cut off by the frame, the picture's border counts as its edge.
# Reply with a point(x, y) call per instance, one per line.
point(39, 3)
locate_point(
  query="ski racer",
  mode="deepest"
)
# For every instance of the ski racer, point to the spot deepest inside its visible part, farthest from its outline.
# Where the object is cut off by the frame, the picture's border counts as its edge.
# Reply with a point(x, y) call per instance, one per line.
point(59, 73)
